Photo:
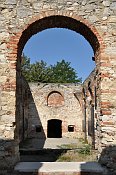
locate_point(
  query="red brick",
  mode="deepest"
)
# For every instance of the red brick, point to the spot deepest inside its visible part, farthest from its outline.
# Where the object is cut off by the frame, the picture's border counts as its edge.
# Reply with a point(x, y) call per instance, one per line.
point(105, 75)
point(106, 64)
point(105, 103)
point(105, 112)
point(107, 123)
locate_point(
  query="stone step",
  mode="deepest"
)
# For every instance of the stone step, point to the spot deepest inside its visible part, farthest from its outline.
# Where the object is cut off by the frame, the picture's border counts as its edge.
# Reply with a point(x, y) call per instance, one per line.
point(42, 151)
point(59, 168)
point(60, 173)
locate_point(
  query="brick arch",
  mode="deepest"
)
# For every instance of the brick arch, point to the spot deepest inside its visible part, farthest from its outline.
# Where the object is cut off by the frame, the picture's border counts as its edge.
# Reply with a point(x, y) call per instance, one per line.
point(60, 21)
point(53, 19)
point(78, 97)
point(55, 99)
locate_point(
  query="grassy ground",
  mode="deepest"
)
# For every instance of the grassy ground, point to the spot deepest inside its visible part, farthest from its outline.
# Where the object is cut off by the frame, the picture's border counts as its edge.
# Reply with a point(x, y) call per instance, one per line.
point(75, 156)
point(72, 152)
point(78, 154)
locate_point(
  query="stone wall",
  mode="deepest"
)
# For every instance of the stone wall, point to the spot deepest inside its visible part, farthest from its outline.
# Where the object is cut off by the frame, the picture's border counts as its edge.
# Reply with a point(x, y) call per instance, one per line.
point(94, 128)
point(19, 20)
point(54, 101)
point(22, 107)
point(91, 107)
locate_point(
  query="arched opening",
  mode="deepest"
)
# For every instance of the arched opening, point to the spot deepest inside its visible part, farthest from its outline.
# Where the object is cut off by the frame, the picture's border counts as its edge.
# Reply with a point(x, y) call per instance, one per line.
point(54, 45)
point(57, 22)
point(54, 128)
point(55, 99)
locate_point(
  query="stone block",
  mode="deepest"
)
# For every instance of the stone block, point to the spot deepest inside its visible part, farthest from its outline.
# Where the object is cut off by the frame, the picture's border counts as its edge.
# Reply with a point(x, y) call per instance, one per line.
point(10, 2)
point(106, 3)
point(113, 6)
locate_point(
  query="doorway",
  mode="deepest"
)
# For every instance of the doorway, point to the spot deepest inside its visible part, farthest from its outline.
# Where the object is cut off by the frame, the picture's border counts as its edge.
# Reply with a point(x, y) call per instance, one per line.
point(54, 128)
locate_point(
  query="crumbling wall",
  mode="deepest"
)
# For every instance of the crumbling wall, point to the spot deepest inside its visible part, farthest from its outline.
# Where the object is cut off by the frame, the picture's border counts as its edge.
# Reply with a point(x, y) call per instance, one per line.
point(91, 107)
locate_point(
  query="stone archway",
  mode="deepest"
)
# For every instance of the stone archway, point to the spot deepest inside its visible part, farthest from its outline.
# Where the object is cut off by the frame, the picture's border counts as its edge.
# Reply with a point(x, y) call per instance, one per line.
point(37, 24)
point(36, 18)
point(75, 23)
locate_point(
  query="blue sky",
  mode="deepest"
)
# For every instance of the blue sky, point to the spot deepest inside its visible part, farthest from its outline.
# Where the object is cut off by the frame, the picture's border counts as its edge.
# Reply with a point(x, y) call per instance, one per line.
point(52, 45)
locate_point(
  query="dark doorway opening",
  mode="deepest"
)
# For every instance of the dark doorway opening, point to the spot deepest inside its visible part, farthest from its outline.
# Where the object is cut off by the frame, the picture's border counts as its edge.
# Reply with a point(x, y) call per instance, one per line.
point(54, 128)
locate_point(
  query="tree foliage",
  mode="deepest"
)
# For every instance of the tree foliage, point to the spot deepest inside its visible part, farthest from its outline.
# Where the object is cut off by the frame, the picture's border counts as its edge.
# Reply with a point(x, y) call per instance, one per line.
point(61, 72)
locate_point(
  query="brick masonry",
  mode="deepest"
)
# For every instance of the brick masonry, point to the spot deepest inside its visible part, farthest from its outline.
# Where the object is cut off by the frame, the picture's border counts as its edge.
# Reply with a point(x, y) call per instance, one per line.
point(19, 20)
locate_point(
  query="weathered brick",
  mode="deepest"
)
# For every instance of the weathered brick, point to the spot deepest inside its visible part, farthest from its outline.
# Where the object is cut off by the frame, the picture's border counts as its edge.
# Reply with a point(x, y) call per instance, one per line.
point(105, 112)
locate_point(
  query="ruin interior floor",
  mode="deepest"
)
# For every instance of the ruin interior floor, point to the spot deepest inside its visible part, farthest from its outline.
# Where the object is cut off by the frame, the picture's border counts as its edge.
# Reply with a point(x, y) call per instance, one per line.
point(46, 149)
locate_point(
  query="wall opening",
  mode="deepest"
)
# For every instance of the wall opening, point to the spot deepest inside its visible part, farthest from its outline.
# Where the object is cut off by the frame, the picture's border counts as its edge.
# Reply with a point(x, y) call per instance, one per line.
point(60, 44)
point(55, 99)
point(54, 128)
point(57, 21)
point(71, 128)
point(38, 128)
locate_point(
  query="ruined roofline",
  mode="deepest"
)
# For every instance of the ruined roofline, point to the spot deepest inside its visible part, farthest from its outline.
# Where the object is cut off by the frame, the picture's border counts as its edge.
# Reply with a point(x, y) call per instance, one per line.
point(92, 74)
point(54, 84)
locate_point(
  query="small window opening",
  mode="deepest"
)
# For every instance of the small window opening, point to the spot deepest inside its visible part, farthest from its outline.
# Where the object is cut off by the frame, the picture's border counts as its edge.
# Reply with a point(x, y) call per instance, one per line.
point(13, 124)
point(38, 128)
point(70, 128)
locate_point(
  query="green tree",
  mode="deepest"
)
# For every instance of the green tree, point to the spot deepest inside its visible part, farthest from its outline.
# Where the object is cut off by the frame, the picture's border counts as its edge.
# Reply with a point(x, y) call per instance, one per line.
point(25, 67)
point(61, 72)
point(35, 72)
point(38, 72)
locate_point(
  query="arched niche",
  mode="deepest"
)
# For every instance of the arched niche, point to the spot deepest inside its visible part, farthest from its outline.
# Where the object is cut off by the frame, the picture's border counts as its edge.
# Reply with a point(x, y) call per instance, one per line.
point(55, 99)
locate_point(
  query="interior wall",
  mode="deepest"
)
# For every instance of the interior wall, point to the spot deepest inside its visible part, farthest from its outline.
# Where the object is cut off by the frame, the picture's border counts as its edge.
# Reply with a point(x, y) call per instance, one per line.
point(70, 108)
point(91, 107)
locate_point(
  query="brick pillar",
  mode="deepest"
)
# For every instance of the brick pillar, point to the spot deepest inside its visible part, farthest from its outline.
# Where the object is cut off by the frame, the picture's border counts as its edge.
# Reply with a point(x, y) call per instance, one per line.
point(107, 104)
point(9, 146)
point(107, 117)
point(9, 151)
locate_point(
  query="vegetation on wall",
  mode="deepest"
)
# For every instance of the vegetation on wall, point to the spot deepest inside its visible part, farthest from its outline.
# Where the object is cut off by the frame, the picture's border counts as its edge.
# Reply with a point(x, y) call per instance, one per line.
point(61, 72)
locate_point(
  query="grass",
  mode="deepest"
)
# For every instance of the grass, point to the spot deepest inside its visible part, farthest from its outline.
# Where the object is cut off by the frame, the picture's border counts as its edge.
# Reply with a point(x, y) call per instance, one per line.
point(86, 149)
point(68, 146)
point(73, 152)
point(77, 154)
